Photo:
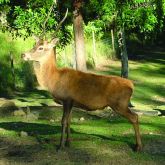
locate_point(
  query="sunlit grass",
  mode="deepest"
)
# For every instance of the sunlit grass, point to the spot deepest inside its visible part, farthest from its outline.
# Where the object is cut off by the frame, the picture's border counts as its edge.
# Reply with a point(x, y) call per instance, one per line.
point(149, 81)
point(92, 140)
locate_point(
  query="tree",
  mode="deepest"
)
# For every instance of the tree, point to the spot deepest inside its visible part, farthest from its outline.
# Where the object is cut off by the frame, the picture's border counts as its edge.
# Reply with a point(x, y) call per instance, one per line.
point(122, 40)
point(27, 18)
point(111, 17)
point(79, 35)
point(142, 18)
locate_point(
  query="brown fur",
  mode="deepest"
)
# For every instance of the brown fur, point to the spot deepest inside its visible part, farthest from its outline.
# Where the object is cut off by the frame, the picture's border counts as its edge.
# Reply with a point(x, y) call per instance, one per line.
point(86, 90)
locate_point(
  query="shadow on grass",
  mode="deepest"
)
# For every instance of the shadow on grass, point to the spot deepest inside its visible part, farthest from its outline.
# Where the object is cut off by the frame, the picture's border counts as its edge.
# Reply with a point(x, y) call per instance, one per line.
point(37, 129)
point(50, 134)
point(162, 112)
point(148, 80)
point(17, 153)
point(25, 94)
point(156, 54)
point(32, 129)
point(14, 153)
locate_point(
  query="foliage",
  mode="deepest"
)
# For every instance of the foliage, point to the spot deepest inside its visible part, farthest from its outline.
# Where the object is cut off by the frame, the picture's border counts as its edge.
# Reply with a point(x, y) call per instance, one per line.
point(27, 18)
point(27, 21)
point(144, 18)
point(94, 26)
point(30, 20)
point(24, 77)
point(4, 1)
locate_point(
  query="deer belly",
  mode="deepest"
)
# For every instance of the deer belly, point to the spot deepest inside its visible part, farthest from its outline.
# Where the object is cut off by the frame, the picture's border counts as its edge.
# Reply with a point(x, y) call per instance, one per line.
point(60, 97)
point(92, 103)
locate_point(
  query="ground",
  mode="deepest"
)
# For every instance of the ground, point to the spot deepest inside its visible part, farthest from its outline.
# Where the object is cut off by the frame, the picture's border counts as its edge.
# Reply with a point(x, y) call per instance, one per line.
point(95, 140)
point(30, 128)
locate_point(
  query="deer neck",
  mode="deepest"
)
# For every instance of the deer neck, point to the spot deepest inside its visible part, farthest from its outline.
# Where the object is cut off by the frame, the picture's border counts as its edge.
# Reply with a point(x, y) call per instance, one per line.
point(45, 70)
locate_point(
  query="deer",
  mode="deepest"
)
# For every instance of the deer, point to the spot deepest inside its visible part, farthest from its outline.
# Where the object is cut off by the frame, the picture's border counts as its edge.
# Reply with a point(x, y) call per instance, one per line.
point(74, 88)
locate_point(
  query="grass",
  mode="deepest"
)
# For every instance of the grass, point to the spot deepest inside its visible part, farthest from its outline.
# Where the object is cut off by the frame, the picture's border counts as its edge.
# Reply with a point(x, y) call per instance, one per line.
point(94, 140)
point(65, 56)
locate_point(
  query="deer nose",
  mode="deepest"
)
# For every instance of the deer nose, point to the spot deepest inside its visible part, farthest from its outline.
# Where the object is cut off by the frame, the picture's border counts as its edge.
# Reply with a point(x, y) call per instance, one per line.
point(22, 55)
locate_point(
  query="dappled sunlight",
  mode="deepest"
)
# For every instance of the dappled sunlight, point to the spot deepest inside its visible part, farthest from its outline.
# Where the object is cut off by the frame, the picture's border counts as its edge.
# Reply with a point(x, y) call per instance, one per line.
point(114, 137)
point(145, 93)
point(148, 77)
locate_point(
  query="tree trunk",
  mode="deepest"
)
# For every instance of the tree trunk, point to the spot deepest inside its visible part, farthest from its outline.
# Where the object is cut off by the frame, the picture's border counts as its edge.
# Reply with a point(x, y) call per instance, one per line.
point(94, 47)
point(113, 41)
point(79, 36)
point(124, 55)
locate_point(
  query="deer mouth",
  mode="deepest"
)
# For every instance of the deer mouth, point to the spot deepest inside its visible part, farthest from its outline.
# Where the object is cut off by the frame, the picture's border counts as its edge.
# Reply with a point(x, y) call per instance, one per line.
point(25, 57)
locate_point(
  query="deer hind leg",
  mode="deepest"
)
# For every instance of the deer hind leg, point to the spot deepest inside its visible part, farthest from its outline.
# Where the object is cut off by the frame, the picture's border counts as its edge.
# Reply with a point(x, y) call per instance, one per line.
point(133, 118)
point(67, 106)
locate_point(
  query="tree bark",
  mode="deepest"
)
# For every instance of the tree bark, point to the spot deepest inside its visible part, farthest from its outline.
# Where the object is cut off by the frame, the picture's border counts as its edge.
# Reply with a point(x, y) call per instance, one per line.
point(113, 40)
point(123, 52)
point(94, 47)
point(79, 36)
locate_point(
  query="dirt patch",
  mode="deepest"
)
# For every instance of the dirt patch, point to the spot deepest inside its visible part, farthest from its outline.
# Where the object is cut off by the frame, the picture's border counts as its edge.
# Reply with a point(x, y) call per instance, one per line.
point(19, 151)
point(155, 146)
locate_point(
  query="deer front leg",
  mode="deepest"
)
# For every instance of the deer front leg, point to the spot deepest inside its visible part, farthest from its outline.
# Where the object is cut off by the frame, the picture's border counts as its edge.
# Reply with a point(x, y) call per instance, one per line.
point(67, 105)
point(63, 123)
point(67, 144)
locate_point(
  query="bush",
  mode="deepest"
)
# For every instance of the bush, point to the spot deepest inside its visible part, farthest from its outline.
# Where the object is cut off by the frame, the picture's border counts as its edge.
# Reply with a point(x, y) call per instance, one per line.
point(22, 71)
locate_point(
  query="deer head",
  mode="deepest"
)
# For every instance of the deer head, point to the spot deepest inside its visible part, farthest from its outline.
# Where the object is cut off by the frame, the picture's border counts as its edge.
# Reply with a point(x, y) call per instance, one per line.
point(41, 50)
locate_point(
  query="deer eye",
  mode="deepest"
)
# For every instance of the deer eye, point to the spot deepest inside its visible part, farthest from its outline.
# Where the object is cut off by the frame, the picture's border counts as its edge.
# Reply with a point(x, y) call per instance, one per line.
point(40, 48)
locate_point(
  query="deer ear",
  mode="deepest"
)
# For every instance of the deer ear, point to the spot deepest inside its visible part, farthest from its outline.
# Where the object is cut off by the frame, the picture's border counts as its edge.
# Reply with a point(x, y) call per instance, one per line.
point(53, 43)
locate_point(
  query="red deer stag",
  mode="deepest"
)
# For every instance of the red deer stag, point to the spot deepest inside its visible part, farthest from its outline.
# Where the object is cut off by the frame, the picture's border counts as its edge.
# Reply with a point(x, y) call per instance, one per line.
point(75, 88)
point(86, 90)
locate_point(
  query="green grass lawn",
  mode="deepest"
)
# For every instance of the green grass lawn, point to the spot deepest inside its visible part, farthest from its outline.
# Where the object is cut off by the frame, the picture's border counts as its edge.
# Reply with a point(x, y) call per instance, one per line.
point(95, 140)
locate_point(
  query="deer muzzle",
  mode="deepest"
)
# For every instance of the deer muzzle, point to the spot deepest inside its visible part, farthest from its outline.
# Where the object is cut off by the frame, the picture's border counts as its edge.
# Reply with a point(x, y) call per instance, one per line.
point(25, 56)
